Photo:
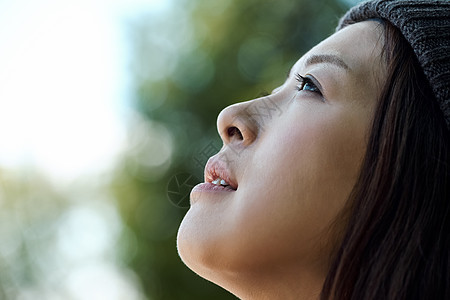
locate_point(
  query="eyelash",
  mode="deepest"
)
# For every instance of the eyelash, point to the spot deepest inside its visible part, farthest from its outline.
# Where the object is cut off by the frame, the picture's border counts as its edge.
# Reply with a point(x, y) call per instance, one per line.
point(303, 81)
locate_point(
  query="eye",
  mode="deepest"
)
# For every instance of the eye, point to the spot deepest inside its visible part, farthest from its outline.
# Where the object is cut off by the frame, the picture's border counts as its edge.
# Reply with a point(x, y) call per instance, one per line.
point(306, 84)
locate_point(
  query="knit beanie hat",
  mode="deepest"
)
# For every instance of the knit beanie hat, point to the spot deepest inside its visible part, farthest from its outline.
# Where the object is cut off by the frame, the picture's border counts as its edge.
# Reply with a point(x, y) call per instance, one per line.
point(425, 24)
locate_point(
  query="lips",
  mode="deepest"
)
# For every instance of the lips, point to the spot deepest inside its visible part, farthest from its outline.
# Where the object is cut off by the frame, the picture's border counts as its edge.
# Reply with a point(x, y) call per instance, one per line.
point(217, 173)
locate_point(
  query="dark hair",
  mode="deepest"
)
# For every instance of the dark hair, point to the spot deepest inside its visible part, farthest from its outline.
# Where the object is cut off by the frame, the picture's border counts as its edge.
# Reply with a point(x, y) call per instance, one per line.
point(397, 241)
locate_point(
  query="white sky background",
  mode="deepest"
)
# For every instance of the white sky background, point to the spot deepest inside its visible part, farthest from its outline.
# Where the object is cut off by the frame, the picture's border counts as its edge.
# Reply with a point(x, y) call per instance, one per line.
point(63, 82)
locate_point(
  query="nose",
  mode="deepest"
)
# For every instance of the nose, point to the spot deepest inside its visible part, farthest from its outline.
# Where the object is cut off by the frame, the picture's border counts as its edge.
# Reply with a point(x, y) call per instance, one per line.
point(236, 124)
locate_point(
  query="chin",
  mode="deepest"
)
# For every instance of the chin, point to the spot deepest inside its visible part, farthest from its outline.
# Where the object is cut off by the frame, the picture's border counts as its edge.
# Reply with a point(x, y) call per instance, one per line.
point(202, 251)
point(192, 251)
point(184, 242)
point(194, 257)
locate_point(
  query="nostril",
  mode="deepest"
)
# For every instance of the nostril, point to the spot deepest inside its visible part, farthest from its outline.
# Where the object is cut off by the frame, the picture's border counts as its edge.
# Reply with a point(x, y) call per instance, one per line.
point(235, 132)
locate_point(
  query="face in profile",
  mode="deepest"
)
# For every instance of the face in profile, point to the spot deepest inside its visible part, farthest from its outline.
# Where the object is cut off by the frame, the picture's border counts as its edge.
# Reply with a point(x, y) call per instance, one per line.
point(268, 208)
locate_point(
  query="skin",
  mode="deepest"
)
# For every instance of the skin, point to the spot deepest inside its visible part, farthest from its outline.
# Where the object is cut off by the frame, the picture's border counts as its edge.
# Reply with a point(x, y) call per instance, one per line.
point(274, 236)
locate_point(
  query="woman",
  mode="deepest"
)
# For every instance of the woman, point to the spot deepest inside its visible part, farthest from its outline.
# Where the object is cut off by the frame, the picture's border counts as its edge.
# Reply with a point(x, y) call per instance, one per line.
point(337, 185)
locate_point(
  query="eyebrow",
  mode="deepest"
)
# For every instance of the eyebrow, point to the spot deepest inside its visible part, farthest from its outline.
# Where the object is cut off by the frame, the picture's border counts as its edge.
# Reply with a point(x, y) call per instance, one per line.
point(327, 58)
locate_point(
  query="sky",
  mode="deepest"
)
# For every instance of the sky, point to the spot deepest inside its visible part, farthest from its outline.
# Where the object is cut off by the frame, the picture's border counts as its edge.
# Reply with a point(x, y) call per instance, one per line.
point(64, 84)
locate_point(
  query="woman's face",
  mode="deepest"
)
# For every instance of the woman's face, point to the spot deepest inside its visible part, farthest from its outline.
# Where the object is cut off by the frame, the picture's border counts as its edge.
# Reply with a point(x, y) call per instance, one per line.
point(291, 160)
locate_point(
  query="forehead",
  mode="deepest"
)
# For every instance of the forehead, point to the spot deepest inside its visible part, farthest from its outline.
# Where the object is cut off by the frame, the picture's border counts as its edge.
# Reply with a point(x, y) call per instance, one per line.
point(359, 46)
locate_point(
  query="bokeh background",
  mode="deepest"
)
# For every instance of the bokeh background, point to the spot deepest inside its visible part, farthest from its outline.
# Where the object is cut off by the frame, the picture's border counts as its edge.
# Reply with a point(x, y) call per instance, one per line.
point(107, 117)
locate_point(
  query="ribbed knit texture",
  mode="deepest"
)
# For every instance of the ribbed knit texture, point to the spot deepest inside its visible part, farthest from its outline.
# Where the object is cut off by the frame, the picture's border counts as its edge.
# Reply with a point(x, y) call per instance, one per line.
point(426, 27)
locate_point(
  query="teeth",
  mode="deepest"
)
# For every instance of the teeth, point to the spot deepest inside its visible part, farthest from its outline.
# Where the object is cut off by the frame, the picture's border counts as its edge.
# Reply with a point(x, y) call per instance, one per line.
point(219, 181)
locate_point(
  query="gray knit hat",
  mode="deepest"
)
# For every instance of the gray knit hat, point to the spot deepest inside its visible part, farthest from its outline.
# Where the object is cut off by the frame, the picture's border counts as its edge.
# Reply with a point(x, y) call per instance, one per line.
point(426, 26)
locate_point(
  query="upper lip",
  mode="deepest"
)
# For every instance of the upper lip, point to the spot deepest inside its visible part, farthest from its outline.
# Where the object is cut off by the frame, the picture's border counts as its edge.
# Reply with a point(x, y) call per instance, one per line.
point(216, 168)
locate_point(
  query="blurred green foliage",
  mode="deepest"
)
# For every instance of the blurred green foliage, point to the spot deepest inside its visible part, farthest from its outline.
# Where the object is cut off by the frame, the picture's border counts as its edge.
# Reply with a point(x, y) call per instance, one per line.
point(190, 63)
point(26, 232)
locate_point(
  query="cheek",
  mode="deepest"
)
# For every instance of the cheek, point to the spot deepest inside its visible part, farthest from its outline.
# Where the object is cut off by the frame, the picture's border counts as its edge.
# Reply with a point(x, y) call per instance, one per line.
point(328, 150)
point(320, 149)
point(298, 181)
point(311, 167)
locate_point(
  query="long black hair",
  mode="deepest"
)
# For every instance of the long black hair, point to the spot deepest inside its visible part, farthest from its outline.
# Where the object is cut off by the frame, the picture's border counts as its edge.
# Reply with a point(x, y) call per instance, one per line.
point(397, 241)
